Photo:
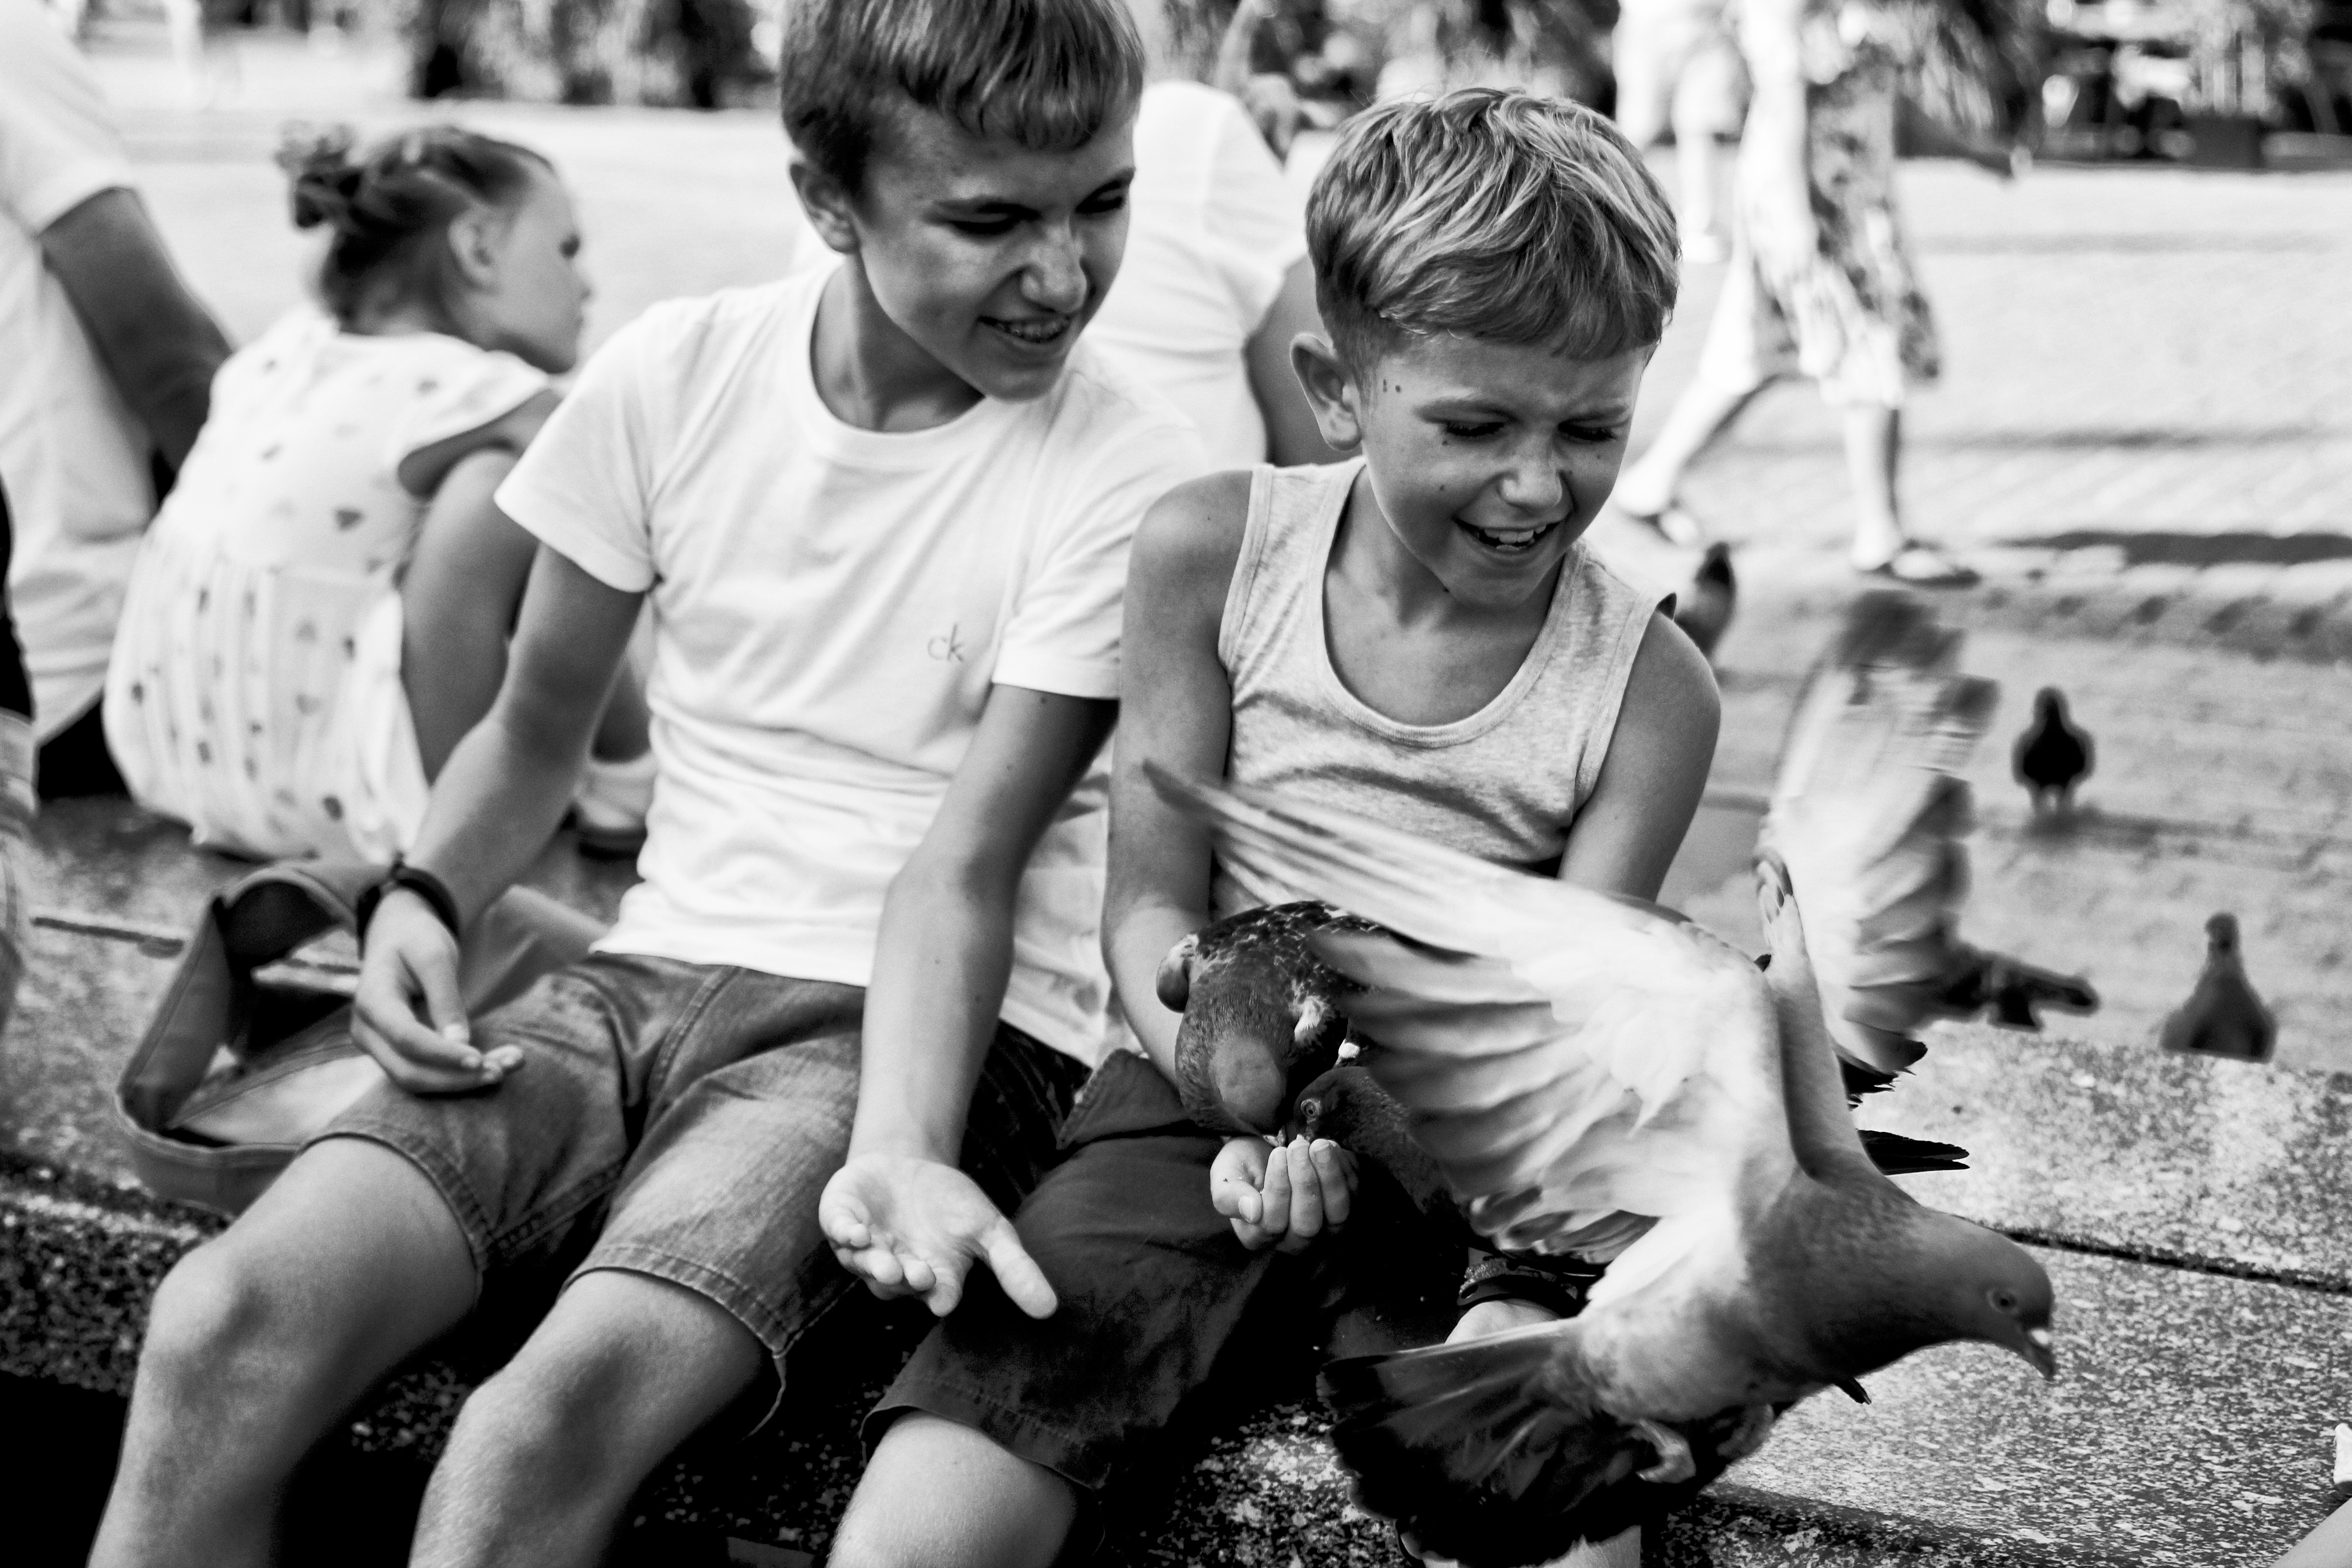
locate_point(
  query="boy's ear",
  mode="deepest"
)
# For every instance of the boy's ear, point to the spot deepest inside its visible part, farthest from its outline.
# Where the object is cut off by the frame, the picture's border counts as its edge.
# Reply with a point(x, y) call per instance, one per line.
point(1330, 391)
point(827, 206)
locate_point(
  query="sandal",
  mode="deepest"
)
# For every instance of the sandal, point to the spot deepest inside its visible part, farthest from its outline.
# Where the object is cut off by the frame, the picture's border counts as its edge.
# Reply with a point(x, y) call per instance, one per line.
point(1674, 522)
point(1917, 566)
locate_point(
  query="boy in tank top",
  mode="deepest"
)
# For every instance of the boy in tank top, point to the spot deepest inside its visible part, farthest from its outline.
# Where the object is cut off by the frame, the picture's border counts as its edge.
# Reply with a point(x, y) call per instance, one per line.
point(1416, 635)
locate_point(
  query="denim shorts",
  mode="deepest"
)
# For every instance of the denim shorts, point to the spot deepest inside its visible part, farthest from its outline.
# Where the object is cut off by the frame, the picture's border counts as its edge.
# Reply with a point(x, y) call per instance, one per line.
point(681, 1121)
point(1163, 1314)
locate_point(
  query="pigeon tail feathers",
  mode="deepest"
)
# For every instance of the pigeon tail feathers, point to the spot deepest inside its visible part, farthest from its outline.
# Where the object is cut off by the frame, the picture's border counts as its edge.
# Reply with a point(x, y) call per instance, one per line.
point(1496, 1452)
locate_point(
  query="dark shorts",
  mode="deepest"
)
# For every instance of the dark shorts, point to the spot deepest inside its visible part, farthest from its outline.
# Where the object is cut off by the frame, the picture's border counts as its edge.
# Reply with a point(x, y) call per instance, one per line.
point(1162, 1312)
point(681, 1121)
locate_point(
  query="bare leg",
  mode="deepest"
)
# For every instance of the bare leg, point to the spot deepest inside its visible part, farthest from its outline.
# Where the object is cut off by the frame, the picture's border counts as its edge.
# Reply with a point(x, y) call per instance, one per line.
point(1695, 159)
point(2329, 1546)
point(1648, 485)
point(1873, 451)
point(939, 1495)
point(261, 1339)
point(547, 1454)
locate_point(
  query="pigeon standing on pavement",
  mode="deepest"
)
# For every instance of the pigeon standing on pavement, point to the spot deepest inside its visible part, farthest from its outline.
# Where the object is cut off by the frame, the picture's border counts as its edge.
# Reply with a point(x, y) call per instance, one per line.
point(2052, 756)
point(2222, 1016)
point(1595, 1075)
point(1704, 611)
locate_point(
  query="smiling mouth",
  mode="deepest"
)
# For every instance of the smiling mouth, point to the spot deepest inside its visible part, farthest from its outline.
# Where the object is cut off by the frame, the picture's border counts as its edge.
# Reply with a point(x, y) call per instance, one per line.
point(1507, 541)
point(1036, 331)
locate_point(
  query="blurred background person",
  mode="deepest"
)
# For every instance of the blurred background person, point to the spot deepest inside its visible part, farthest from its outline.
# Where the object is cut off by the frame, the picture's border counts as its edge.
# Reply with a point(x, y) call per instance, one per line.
point(1678, 69)
point(1216, 283)
point(321, 611)
point(109, 364)
point(1821, 282)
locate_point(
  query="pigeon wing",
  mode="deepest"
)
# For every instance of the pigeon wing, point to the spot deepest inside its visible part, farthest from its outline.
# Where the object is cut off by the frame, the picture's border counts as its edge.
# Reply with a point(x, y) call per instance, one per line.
point(1571, 1058)
point(1867, 813)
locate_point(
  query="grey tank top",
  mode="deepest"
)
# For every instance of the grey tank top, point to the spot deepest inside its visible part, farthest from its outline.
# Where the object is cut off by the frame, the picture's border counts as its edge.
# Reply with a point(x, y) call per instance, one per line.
point(1504, 784)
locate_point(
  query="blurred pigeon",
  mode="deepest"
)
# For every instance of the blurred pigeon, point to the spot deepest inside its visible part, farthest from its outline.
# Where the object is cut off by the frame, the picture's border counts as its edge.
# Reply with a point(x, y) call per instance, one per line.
point(1261, 1013)
point(1595, 1075)
point(2222, 1017)
point(2052, 756)
point(1704, 610)
point(1869, 812)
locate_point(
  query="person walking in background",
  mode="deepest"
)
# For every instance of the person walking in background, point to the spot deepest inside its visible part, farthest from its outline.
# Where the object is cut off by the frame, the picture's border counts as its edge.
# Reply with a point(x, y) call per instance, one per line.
point(1821, 283)
point(106, 365)
point(1216, 284)
point(1677, 68)
point(321, 610)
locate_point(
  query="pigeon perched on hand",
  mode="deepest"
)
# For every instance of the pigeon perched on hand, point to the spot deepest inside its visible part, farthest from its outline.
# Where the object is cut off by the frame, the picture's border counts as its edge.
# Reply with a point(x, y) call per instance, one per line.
point(2222, 1016)
point(1261, 1014)
point(1704, 610)
point(2052, 756)
point(1595, 1075)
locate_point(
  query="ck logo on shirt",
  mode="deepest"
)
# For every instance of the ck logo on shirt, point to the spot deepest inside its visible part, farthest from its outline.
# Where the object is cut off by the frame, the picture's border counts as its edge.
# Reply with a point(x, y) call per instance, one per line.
point(948, 649)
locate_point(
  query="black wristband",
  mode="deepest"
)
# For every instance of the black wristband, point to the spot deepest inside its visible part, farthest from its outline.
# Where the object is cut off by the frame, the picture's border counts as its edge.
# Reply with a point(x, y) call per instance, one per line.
point(417, 880)
point(1556, 1284)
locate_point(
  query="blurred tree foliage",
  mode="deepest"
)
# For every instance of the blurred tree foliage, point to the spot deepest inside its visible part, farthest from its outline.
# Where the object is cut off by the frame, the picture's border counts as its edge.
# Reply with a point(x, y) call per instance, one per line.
point(675, 53)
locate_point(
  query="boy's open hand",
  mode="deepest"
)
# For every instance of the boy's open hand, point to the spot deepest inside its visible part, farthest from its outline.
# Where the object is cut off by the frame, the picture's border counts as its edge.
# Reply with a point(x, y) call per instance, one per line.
point(408, 1013)
point(910, 1226)
point(1282, 1195)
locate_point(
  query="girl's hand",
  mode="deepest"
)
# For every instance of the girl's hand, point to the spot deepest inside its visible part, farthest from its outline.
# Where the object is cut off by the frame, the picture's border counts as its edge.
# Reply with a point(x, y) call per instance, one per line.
point(1282, 1195)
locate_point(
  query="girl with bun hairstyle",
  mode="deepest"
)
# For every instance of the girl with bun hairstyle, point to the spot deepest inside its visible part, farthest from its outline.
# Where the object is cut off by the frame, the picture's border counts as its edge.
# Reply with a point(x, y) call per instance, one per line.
point(320, 610)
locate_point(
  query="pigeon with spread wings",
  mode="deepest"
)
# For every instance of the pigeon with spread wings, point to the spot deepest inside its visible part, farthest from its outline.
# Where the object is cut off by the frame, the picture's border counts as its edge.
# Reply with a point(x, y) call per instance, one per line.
point(1596, 1076)
point(1868, 812)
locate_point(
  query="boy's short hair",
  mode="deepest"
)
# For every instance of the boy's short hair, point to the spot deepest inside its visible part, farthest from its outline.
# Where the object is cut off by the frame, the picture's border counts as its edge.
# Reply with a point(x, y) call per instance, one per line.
point(1496, 215)
point(1047, 75)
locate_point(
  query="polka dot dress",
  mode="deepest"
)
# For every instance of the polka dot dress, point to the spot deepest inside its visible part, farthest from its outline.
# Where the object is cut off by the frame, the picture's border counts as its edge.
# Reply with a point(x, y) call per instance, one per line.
point(255, 688)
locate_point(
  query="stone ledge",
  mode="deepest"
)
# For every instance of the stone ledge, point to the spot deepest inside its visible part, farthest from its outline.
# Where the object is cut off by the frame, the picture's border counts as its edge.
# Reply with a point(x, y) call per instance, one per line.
point(2188, 1429)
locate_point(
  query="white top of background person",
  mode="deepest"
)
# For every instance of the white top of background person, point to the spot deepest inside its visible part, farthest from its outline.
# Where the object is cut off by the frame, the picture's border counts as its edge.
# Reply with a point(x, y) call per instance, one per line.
point(1216, 284)
point(107, 358)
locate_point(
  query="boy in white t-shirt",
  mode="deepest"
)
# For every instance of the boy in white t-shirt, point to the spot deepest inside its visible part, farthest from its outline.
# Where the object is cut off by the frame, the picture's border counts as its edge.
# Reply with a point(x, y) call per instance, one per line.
point(882, 514)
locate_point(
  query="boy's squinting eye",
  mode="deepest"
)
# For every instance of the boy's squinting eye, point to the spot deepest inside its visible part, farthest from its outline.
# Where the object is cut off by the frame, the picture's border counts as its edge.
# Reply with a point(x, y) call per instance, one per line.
point(1460, 431)
point(1593, 435)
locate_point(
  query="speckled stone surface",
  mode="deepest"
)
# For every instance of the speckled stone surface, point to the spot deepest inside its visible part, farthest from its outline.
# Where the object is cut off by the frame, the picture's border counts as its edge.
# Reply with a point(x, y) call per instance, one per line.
point(2189, 1428)
point(2218, 1163)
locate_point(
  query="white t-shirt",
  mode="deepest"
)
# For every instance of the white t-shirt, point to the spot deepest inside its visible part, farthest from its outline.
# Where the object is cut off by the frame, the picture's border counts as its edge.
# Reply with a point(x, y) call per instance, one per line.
point(1214, 228)
point(73, 457)
point(831, 606)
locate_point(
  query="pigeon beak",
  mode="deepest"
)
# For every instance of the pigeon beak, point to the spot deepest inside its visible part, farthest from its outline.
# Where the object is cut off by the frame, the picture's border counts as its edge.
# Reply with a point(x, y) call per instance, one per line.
point(2040, 1353)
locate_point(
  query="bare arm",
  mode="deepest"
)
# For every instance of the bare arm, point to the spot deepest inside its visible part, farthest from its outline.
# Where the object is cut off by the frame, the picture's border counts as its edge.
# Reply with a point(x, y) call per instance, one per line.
point(1777, 200)
point(946, 947)
point(898, 1213)
point(1178, 712)
point(1629, 831)
point(458, 605)
point(1291, 434)
point(160, 347)
point(492, 809)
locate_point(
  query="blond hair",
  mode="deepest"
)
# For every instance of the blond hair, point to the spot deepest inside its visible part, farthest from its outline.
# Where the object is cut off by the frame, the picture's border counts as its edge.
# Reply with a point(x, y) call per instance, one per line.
point(1487, 214)
point(1047, 75)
